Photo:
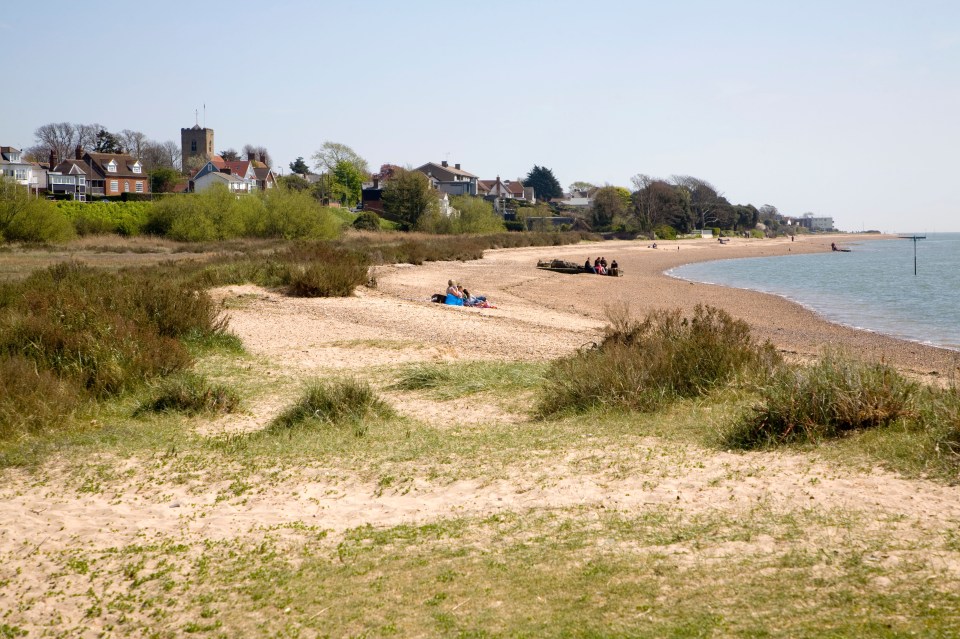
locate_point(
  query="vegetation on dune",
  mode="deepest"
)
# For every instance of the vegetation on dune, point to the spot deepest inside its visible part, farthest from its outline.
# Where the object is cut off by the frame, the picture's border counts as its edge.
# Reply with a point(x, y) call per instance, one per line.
point(641, 365)
point(91, 334)
point(338, 403)
point(191, 394)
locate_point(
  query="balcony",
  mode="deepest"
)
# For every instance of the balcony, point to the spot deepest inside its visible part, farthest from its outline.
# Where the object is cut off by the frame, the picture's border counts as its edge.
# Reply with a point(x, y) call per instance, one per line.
point(96, 190)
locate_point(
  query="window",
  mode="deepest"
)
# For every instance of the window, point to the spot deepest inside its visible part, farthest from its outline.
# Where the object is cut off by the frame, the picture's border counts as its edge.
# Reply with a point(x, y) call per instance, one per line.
point(193, 146)
point(139, 186)
point(111, 167)
point(83, 180)
point(210, 146)
point(136, 167)
point(126, 186)
point(114, 186)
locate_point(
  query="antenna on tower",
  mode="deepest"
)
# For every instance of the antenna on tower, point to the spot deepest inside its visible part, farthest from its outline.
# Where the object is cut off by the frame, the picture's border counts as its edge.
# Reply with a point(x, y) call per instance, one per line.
point(204, 115)
point(196, 117)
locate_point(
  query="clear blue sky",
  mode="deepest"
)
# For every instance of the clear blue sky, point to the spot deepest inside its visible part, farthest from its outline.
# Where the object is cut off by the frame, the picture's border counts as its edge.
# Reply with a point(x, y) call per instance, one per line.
point(848, 109)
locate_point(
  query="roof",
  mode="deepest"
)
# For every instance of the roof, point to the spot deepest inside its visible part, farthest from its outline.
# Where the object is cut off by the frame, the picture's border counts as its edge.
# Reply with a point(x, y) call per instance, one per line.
point(514, 187)
point(448, 169)
point(124, 162)
point(226, 177)
point(263, 173)
point(237, 167)
point(72, 166)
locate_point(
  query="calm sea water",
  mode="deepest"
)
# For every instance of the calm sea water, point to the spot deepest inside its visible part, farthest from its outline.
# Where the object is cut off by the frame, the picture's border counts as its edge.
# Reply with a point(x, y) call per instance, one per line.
point(872, 287)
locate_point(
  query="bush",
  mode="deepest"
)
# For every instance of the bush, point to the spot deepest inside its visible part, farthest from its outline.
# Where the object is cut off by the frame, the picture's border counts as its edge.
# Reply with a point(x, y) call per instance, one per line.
point(367, 221)
point(91, 218)
point(339, 403)
point(31, 398)
point(106, 332)
point(640, 365)
point(25, 218)
point(191, 394)
point(826, 399)
point(665, 232)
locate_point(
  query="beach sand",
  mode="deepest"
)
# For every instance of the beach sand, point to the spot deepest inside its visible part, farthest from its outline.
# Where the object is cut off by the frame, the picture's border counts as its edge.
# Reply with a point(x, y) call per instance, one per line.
point(51, 514)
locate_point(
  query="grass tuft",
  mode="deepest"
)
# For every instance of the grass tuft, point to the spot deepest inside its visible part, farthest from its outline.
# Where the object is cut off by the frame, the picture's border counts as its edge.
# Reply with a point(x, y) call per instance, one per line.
point(345, 402)
point(827, 399)
point(192, 394)
point(467, 378)
point(642, 365)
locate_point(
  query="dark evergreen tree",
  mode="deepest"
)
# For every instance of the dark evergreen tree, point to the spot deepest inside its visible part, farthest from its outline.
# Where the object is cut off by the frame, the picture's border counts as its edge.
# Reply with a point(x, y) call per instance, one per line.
point(299, 166)
point(107, 142)
point(544, 183)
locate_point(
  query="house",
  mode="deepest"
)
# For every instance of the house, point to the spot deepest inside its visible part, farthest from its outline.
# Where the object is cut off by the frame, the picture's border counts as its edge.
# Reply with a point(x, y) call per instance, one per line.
point(68, 179)
point(254, 175)
point(450, 179)
point(577, 198)
point(13, 166)
point(233, 183)
point(105, 174)
point(371, 195)
point(506, 189)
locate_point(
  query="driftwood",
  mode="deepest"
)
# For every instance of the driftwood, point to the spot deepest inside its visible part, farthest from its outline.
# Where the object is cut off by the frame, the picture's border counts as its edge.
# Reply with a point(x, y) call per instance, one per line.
point(572, 268)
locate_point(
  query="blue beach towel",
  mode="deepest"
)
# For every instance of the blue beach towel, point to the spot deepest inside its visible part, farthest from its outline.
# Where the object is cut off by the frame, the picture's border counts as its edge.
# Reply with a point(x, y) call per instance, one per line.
point(453, 300)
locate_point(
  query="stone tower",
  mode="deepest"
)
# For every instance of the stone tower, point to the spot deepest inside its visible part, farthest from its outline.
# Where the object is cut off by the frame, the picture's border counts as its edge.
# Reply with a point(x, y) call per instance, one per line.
point(196, 145)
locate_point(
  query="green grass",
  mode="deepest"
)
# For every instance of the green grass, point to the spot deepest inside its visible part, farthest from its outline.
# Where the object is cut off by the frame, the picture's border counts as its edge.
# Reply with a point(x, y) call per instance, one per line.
point(450, 381)
point(343, 402)
point(191, 394)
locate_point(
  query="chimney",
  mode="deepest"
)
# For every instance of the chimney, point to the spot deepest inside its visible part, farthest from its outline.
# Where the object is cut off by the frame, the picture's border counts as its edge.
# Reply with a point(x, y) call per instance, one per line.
point(78, 152)
point(263, 158)
point(457, 166)
point(53, 159)
point(376, 182)
point(444, 164)
point(252, 156)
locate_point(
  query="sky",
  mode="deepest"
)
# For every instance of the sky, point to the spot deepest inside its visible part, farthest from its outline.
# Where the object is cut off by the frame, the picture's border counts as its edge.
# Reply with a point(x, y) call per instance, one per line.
point(843, 109)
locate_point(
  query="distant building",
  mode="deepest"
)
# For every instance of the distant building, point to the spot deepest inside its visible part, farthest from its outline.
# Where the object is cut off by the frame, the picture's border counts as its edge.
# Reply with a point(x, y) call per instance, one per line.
point(450, 179)
point(814, 223)
point(14, 167)
point(196, 144)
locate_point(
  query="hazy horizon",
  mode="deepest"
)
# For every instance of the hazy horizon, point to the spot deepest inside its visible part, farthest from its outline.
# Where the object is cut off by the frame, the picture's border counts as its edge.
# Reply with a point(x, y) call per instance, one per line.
point(842, 109)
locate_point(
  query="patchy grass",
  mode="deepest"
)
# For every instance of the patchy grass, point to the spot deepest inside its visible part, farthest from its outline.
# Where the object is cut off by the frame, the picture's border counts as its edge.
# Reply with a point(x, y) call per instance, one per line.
point(450, 381)
point(579, 572)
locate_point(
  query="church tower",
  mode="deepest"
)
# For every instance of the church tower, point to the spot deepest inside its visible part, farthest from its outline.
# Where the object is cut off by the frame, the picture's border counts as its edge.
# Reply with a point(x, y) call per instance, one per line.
point(196, 146)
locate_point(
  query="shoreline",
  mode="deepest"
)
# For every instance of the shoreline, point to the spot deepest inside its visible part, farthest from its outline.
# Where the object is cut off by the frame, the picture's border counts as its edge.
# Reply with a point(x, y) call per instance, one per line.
point(511, 276)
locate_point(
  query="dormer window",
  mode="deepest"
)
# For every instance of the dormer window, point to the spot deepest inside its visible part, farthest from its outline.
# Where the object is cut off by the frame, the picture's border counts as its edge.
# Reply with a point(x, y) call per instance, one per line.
point(136, 167)
point(111, 166)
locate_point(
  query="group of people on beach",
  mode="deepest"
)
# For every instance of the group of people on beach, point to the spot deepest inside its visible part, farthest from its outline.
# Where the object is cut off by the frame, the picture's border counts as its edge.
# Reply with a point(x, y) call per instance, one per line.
point(600, 267)
point(457, 295)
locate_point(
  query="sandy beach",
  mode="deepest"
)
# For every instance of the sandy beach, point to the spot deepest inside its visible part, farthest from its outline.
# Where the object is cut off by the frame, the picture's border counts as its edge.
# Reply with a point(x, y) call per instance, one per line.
point(76, 510)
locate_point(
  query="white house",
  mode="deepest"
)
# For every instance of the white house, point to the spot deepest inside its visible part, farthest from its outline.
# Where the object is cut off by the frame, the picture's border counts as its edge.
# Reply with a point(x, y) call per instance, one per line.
point(233, 183)
point(13, 166)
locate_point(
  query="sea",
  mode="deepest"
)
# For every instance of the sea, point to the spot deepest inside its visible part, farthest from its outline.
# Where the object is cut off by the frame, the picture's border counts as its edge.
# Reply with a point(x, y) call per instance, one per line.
point(872, 287)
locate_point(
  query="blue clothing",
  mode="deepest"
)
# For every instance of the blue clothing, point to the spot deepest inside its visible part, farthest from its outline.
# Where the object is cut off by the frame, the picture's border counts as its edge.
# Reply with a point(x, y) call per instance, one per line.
point(453, 300)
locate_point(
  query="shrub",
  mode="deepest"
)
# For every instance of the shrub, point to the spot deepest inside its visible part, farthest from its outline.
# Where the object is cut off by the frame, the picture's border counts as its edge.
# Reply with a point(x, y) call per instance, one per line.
point(641, 365)
point(91, 218)
point(826, 399)
point(348, 402)
point(31, 397)
point(191, 394)
point(106, 332)
point(665, 232)
point(367, 221)
point(24, 218)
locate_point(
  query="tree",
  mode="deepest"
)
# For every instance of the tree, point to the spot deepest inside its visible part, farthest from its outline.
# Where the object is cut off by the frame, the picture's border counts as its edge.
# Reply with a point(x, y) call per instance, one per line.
point(544, 183)
point(258, 153)
point(294, 181)
point(107, 142)
point(475, 215)
point(407, 197)
point(299, 166)
point(163, 179)
point(59, 137)
point(608, 205)
point(161, 154)
point(332, 153)
point(581, 186)
point(134, 142)
point(657, 202)
point(347, 183)
point(229, 155)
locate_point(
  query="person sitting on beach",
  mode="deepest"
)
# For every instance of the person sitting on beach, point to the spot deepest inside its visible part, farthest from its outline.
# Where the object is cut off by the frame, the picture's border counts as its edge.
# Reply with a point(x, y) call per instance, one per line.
point(454, 296)
point(614, 268)
point(587, 267)
point(452, 289)
point(833, 246)
point(603, 263)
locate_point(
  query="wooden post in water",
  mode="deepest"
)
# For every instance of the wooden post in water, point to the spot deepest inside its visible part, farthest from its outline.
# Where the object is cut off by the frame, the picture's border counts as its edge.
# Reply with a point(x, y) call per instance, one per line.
point(914, 238)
